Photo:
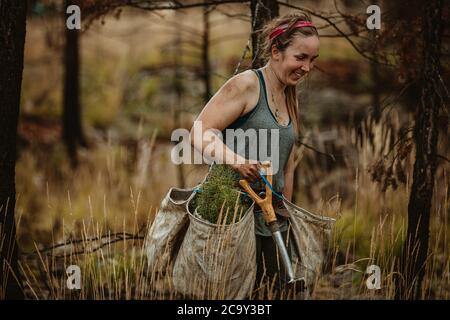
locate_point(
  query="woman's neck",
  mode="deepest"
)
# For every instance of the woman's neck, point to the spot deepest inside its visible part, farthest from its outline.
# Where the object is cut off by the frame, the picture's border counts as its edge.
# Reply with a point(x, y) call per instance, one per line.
point(276, 85)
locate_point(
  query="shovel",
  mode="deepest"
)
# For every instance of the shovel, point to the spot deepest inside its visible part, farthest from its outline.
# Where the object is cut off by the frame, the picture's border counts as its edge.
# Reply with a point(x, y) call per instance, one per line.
point(271, 220)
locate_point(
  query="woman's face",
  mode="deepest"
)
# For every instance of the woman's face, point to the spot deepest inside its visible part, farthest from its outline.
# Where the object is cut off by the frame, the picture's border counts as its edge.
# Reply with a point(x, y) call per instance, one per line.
point(297, 60)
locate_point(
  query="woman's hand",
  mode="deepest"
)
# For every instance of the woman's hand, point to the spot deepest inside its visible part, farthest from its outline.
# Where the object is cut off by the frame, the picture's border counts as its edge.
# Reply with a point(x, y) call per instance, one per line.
point(249, 171)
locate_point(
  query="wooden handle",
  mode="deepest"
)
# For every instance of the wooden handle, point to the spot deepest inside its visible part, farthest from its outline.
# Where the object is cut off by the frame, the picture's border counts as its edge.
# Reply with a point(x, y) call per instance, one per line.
point(266, 203)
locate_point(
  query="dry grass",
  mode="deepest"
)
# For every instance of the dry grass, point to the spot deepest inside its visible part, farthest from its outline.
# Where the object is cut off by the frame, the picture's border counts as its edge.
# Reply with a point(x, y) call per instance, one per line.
point(107, 194)
point(126, 173)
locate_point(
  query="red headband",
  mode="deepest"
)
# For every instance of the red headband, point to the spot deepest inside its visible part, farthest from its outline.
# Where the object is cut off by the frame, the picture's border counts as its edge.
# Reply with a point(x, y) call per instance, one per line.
point(281, 29)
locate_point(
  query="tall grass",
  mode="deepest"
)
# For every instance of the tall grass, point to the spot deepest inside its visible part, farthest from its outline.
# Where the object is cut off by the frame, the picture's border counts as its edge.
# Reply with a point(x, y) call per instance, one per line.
point(119, 185)
point(104, 196)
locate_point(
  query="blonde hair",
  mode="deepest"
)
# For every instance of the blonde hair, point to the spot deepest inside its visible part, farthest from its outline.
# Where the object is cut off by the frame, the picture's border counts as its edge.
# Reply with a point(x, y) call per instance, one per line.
point(281, 42)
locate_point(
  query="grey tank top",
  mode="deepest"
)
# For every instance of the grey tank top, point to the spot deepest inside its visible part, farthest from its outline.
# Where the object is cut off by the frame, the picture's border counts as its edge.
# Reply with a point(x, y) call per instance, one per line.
point(262, 138)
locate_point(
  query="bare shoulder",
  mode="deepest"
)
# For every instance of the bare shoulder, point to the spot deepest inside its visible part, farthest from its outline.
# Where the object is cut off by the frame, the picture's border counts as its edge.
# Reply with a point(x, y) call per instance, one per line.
point(235, 98)
point(246, 85)
point(246, 80)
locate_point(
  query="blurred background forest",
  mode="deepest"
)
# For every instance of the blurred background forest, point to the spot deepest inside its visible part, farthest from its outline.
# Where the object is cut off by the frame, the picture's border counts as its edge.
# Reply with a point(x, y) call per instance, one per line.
point(102, 163)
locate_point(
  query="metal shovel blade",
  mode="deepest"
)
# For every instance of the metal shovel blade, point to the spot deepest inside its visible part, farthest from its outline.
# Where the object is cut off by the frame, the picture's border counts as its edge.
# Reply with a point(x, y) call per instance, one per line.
point(285, 258)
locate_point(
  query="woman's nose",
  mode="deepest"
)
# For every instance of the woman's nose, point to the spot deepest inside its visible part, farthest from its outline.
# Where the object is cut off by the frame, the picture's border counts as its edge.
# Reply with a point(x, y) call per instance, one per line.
point(306, 67)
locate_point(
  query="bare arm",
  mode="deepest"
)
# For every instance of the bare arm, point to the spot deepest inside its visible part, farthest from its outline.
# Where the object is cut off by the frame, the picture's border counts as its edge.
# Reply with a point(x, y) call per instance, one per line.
point(289, 176)
point(232, 100)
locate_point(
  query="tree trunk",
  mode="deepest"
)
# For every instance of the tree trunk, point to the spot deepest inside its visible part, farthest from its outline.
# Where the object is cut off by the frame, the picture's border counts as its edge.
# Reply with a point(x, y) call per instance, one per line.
point(72, 130)
point(375, 91)
point(425, 137)
point(205, 56)
point(179, 90)
point(376, 104)
point(262, 12)
point(12, 41)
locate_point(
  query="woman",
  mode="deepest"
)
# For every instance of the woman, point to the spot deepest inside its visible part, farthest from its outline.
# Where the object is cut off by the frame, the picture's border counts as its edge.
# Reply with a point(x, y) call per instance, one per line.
point(266, 100)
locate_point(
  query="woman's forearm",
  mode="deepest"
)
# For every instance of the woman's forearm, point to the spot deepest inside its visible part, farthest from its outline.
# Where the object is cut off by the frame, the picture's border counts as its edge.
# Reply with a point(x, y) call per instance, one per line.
point(211, 146)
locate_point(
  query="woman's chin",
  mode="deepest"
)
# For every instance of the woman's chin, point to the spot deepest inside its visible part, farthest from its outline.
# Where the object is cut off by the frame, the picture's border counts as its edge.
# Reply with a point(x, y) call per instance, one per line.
point(295, 77)
point(294, 80)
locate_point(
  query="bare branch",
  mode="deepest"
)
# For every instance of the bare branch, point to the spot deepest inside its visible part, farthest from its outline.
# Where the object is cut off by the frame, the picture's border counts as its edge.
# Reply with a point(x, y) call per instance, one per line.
point(244, 53)
point(333, 24)
point(174, 5)
point(104, 239)
point(319, 152)
point(339, 35)
point(443, 158)
point(240, 16)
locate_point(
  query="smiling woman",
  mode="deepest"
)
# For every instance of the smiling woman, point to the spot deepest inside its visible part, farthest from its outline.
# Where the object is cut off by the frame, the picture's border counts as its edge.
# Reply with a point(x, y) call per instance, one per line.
point(290, 47)
point(265, 100)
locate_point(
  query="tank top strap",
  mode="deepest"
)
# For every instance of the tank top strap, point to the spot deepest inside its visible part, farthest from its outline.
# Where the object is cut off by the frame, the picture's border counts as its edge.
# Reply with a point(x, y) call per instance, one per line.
point(262, 86)
point(263, 97)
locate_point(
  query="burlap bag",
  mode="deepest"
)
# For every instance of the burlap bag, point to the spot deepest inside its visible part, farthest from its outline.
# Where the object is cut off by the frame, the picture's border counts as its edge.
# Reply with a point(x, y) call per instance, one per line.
point(216, 261)
point(213, 261)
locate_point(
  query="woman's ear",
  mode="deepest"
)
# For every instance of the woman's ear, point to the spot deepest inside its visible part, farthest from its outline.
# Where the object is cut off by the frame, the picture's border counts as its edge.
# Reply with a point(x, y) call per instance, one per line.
point(276, 53)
